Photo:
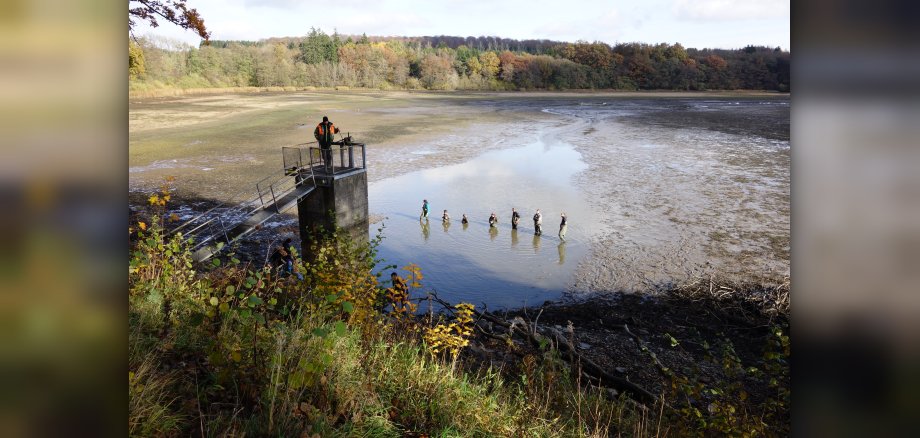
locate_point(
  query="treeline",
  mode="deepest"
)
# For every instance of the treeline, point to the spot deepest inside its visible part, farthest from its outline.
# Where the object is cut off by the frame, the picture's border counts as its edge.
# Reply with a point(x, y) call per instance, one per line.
point(450, 63)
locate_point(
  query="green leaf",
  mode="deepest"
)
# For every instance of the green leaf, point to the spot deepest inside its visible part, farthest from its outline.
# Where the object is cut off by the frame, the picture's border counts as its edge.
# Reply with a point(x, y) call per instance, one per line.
point(215, 262)
point(230, 290)
point(224, 307)
point(259, 318)
point(214, 301)
point(220, 246)
point(254, 300)
point(321, 332)
point(348, 307)
point(340, 328)
point(235, 261)
point(331, 298)
point(674, 342)
point(327, 359)
point(272, 301)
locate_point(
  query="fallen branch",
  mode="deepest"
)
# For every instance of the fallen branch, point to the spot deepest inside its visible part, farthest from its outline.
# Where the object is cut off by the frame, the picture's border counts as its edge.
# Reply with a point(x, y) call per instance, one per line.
point(580, 362)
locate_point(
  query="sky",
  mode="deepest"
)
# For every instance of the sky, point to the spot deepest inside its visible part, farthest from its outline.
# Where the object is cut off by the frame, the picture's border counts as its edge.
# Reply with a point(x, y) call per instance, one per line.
point(726, 24)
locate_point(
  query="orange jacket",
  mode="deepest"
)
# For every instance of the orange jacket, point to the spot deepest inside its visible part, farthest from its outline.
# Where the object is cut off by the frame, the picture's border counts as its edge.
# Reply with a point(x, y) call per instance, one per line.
point(325, 134)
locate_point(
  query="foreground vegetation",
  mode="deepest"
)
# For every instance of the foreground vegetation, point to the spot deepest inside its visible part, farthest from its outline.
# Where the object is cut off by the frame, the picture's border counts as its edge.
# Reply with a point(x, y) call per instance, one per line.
point(235, 349)
point(449, 63)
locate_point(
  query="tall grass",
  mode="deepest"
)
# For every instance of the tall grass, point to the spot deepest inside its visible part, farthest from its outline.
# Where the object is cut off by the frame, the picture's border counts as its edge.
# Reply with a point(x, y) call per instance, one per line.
point(237, 350)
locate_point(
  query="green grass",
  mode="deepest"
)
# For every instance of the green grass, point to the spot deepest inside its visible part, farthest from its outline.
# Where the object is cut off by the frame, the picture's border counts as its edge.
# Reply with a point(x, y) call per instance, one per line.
point(234, 350)
point(201, 369)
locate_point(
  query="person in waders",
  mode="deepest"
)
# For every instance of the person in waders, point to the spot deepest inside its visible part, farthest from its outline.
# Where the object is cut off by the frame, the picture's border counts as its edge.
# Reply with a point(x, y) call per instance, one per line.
point(515, 218)
point(562, 227)
point(493, 220)
point(538, 223)
point(424, 210)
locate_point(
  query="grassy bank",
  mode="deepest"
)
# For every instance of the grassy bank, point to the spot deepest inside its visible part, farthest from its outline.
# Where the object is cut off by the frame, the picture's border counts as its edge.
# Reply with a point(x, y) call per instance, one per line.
point(229, 348)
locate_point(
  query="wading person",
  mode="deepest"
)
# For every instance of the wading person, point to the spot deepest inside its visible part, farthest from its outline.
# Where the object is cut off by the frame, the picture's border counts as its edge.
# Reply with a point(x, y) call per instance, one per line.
point(325, 134)
point(445, 217)
point(493, 220)
point(515, 218)
point(424, 210)
point(562, 227)
point(464, 221)
point(538, 223)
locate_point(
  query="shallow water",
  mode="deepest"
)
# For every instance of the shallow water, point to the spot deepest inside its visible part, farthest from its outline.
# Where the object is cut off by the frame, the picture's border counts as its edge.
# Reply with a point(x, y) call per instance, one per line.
point(657, 188)
point(475, 263)
point(656, 191)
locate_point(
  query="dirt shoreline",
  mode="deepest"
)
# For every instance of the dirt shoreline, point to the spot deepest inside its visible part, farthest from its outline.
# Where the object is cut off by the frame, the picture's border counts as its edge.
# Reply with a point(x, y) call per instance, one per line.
point(684, 329)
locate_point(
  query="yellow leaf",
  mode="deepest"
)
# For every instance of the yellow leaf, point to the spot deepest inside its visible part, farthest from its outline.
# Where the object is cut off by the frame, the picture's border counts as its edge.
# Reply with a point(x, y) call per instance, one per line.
point(142, 226)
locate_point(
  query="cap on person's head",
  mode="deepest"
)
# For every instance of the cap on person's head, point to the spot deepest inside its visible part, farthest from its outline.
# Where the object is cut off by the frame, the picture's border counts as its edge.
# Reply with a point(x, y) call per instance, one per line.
point(393, 274)
point(325, 119)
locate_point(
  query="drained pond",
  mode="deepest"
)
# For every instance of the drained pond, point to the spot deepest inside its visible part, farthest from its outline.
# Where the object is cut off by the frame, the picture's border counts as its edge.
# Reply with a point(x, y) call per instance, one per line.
point(656, 188)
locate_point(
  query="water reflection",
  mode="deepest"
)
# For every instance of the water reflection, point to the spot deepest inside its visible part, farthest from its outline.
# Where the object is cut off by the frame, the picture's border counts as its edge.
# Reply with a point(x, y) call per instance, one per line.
point(561, 249)
point(486, 265)
point(425, 230)
point(536, 243)
point(446, 225)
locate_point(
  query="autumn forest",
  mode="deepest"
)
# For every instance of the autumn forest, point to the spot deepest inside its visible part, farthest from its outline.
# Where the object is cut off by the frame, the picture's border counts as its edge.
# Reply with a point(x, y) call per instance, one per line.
point(451, 63)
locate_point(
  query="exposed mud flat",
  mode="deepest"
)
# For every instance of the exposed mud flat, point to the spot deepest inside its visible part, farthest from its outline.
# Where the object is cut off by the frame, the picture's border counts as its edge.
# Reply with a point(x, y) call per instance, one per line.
point(659, 187)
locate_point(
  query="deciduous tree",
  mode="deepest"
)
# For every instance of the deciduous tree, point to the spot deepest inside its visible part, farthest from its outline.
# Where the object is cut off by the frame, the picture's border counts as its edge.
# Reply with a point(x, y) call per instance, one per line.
point(173, 11)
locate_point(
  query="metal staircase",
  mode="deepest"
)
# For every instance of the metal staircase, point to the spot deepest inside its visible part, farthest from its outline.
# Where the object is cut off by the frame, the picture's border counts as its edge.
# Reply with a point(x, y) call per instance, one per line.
point(226, 223)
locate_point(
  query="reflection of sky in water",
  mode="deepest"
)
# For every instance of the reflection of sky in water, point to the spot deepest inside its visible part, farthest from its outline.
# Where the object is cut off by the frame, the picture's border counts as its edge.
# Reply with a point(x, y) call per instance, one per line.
point(500, 267)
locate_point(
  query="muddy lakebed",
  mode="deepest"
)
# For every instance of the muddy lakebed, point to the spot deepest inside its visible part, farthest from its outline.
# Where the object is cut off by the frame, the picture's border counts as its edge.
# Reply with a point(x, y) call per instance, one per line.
point(658, 188)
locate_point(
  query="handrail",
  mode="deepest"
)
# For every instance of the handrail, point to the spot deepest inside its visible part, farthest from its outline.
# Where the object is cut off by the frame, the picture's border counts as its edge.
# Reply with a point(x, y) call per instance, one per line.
point(278, 183)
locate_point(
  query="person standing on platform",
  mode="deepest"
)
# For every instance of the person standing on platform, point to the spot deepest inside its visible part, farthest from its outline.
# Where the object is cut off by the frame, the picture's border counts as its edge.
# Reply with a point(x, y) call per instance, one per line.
point(325, 134)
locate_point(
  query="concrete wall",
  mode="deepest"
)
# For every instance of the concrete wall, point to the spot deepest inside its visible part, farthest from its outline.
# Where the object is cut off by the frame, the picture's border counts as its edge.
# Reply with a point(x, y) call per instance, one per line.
point(346, 198)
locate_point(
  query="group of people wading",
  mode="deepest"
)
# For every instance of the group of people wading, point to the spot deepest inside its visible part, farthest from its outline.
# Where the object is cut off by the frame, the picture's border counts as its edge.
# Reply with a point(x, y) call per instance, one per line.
point(493, 220)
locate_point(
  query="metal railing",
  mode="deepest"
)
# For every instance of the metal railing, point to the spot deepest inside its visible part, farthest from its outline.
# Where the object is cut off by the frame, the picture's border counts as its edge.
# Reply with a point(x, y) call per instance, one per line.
point(341, 157)
point(216, 223)
point(301, 164)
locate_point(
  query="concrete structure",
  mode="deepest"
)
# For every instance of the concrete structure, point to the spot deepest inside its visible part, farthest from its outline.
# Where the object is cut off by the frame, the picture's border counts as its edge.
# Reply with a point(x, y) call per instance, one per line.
point(338, 200)
point(340, 196)
point(329, 190)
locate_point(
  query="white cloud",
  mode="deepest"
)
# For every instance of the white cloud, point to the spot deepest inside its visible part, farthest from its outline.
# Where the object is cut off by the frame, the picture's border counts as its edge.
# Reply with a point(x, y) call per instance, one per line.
point(727, 10)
